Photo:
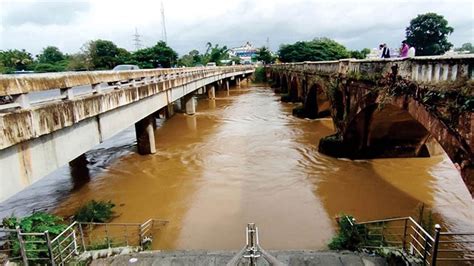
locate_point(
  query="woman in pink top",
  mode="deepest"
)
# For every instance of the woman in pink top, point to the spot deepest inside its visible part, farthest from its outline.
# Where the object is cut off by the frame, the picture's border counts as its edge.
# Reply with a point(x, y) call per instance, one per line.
point(404, 49)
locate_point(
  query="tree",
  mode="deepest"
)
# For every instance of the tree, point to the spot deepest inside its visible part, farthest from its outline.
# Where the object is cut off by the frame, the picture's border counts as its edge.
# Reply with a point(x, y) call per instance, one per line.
point(159, 55)
point(215, 54)
point(428, 33)
point(320, 49)
point(15, 60)
point(102, 54)
point(51, 55)
point(362, 54)
point(191, 59)
point(466, 47)
point(264, 55)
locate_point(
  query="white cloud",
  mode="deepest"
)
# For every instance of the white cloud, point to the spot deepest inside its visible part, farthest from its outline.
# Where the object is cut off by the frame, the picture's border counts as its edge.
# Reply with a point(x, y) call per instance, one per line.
point(191, 24)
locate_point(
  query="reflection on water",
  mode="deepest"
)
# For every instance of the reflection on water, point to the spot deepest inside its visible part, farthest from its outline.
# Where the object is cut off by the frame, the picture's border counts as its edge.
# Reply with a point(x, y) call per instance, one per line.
point(244, 158)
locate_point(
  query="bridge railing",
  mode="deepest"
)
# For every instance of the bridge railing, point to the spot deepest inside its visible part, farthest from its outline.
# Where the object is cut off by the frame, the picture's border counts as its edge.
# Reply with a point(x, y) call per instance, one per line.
point(416, 243)
point(78, 237)
point(420, 69)
point(15, 89)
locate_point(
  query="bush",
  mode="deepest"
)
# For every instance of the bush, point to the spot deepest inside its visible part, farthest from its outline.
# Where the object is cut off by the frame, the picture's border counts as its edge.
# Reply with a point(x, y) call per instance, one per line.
point(349, 236)
point(259, 75)
point(95, 211)
point(38, 222)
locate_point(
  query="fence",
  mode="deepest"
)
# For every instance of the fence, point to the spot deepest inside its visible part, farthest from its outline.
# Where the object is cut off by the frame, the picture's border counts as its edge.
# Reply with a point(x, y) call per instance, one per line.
point(78, 237)
point(416, 244)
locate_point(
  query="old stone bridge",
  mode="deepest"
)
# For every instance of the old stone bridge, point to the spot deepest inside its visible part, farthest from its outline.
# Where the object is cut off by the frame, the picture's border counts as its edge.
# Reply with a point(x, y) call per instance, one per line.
point(388, 108)
point(48, 120)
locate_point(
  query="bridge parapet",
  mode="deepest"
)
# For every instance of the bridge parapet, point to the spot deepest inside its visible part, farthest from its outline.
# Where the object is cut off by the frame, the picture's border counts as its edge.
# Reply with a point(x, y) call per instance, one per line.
point(426, 69)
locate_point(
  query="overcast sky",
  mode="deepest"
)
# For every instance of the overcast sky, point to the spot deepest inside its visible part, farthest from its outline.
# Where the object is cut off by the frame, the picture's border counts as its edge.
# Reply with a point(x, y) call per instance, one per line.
point(190, 24)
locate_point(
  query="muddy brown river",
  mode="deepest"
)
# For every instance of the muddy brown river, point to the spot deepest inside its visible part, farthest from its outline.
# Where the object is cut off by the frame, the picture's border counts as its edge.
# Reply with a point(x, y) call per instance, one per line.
point(244, 158)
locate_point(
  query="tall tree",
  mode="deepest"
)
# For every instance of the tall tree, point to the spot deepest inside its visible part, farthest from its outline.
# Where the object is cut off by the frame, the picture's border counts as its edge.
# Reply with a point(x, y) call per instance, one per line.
point(264, 55)
point(15, 60)
point(102, 54)
point(216, 54)
point(428, 33)
point(319, 49)
point(466, 47)
point(159, 55)
point(191, 59)
point(50, 55)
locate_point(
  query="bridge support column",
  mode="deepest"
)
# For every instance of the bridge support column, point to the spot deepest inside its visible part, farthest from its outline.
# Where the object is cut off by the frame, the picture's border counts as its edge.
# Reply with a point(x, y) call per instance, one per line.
point(227, 86)
point(237, 82)
point(79, 171)
point(211, 92)
point(144, 129)
point(190, 105)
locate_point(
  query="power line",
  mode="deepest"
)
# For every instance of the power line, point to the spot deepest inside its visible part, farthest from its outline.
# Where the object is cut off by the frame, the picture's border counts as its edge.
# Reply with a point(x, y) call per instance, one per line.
point(163, 23)
point(136, 40)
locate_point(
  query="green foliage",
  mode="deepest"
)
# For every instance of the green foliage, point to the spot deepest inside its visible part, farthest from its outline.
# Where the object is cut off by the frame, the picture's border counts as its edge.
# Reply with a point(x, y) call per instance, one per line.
point(102, 54)
point(466, 47)
point(15, 60)
point(349, 236)
point(428, 33)
point(50, 55)
point(38, 222)
point(215, 54)
point(265, 55)
point(362, 54)
point(159, 55)
point(193, 58)
point(259, 75)
point(321, 49)
point(95, 211)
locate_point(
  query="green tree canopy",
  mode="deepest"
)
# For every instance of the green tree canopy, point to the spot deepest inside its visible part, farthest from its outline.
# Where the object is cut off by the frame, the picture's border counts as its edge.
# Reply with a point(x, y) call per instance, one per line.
point(466, 47)
point(51, 55)
point(362, 54)
point(264, 55)
point(319, 49)
point(191, 59)
point(15, 60)
point(159, 55)
point(216, 54)
point(102, 54)
point(428, 33)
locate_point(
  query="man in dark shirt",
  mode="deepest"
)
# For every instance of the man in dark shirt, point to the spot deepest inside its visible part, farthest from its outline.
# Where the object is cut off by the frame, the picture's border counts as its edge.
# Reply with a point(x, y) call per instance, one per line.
point(385, 51)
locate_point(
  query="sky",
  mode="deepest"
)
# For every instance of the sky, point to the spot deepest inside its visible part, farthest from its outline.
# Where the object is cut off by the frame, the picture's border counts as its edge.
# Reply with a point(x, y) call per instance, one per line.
point(190, 24)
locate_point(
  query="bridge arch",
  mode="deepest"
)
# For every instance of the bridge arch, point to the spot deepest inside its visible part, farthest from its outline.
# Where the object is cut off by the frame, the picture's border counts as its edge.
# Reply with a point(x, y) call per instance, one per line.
point(293, 92)
point(316, 103)
point(403, 128)
point(284, 83)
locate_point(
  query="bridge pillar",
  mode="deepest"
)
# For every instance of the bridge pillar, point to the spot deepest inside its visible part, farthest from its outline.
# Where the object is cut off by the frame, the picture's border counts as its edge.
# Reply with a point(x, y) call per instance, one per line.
point(190, 105)
point(211, 92)
point(79, 171)
point(237, 81)
point(227, 86)
point(144, 129)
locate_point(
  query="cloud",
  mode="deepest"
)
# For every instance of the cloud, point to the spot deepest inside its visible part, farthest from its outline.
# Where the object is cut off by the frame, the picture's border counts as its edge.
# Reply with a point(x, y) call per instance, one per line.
point(42, 12)
point(191, 24)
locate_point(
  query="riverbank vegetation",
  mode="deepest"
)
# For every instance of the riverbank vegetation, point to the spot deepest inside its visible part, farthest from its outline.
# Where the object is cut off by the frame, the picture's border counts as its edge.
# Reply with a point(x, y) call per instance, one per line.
point(95, 211)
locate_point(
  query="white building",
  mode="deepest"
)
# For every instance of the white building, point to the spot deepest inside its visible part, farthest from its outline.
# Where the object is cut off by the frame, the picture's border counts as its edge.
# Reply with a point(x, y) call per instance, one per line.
point(245, 52)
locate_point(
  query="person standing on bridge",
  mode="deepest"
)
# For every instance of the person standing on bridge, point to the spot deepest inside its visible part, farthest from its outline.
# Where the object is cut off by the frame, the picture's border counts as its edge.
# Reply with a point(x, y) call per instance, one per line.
point(404, 49)
point(385, 50)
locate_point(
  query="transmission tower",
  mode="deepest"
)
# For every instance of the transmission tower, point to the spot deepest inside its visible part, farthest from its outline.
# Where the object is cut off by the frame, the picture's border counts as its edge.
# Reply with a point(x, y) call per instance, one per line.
point(136, 40)
point(163, 23)
point(268, 43)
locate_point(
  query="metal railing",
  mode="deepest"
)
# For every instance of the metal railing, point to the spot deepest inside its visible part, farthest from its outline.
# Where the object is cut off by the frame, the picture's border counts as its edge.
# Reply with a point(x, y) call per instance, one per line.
point(415, 243)
point(78, 237)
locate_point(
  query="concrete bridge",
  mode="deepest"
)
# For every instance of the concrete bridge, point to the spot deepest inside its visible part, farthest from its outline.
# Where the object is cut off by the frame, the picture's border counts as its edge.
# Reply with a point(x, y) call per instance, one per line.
point(388, 108)
point(49, 120)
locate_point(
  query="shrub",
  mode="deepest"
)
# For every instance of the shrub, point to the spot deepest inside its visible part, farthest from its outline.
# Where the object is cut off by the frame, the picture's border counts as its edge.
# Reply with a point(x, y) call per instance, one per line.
point(95, 211)
point(349, 236)
point(38, 222)
point(259, 75)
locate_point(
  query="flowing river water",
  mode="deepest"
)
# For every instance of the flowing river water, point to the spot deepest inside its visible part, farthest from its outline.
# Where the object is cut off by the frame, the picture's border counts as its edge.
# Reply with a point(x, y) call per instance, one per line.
point(244, 158)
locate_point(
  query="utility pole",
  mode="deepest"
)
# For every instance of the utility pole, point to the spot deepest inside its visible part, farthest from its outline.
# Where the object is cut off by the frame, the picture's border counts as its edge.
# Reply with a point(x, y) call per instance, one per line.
point(136, 40)
point(163, 24)
point(268, 43)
